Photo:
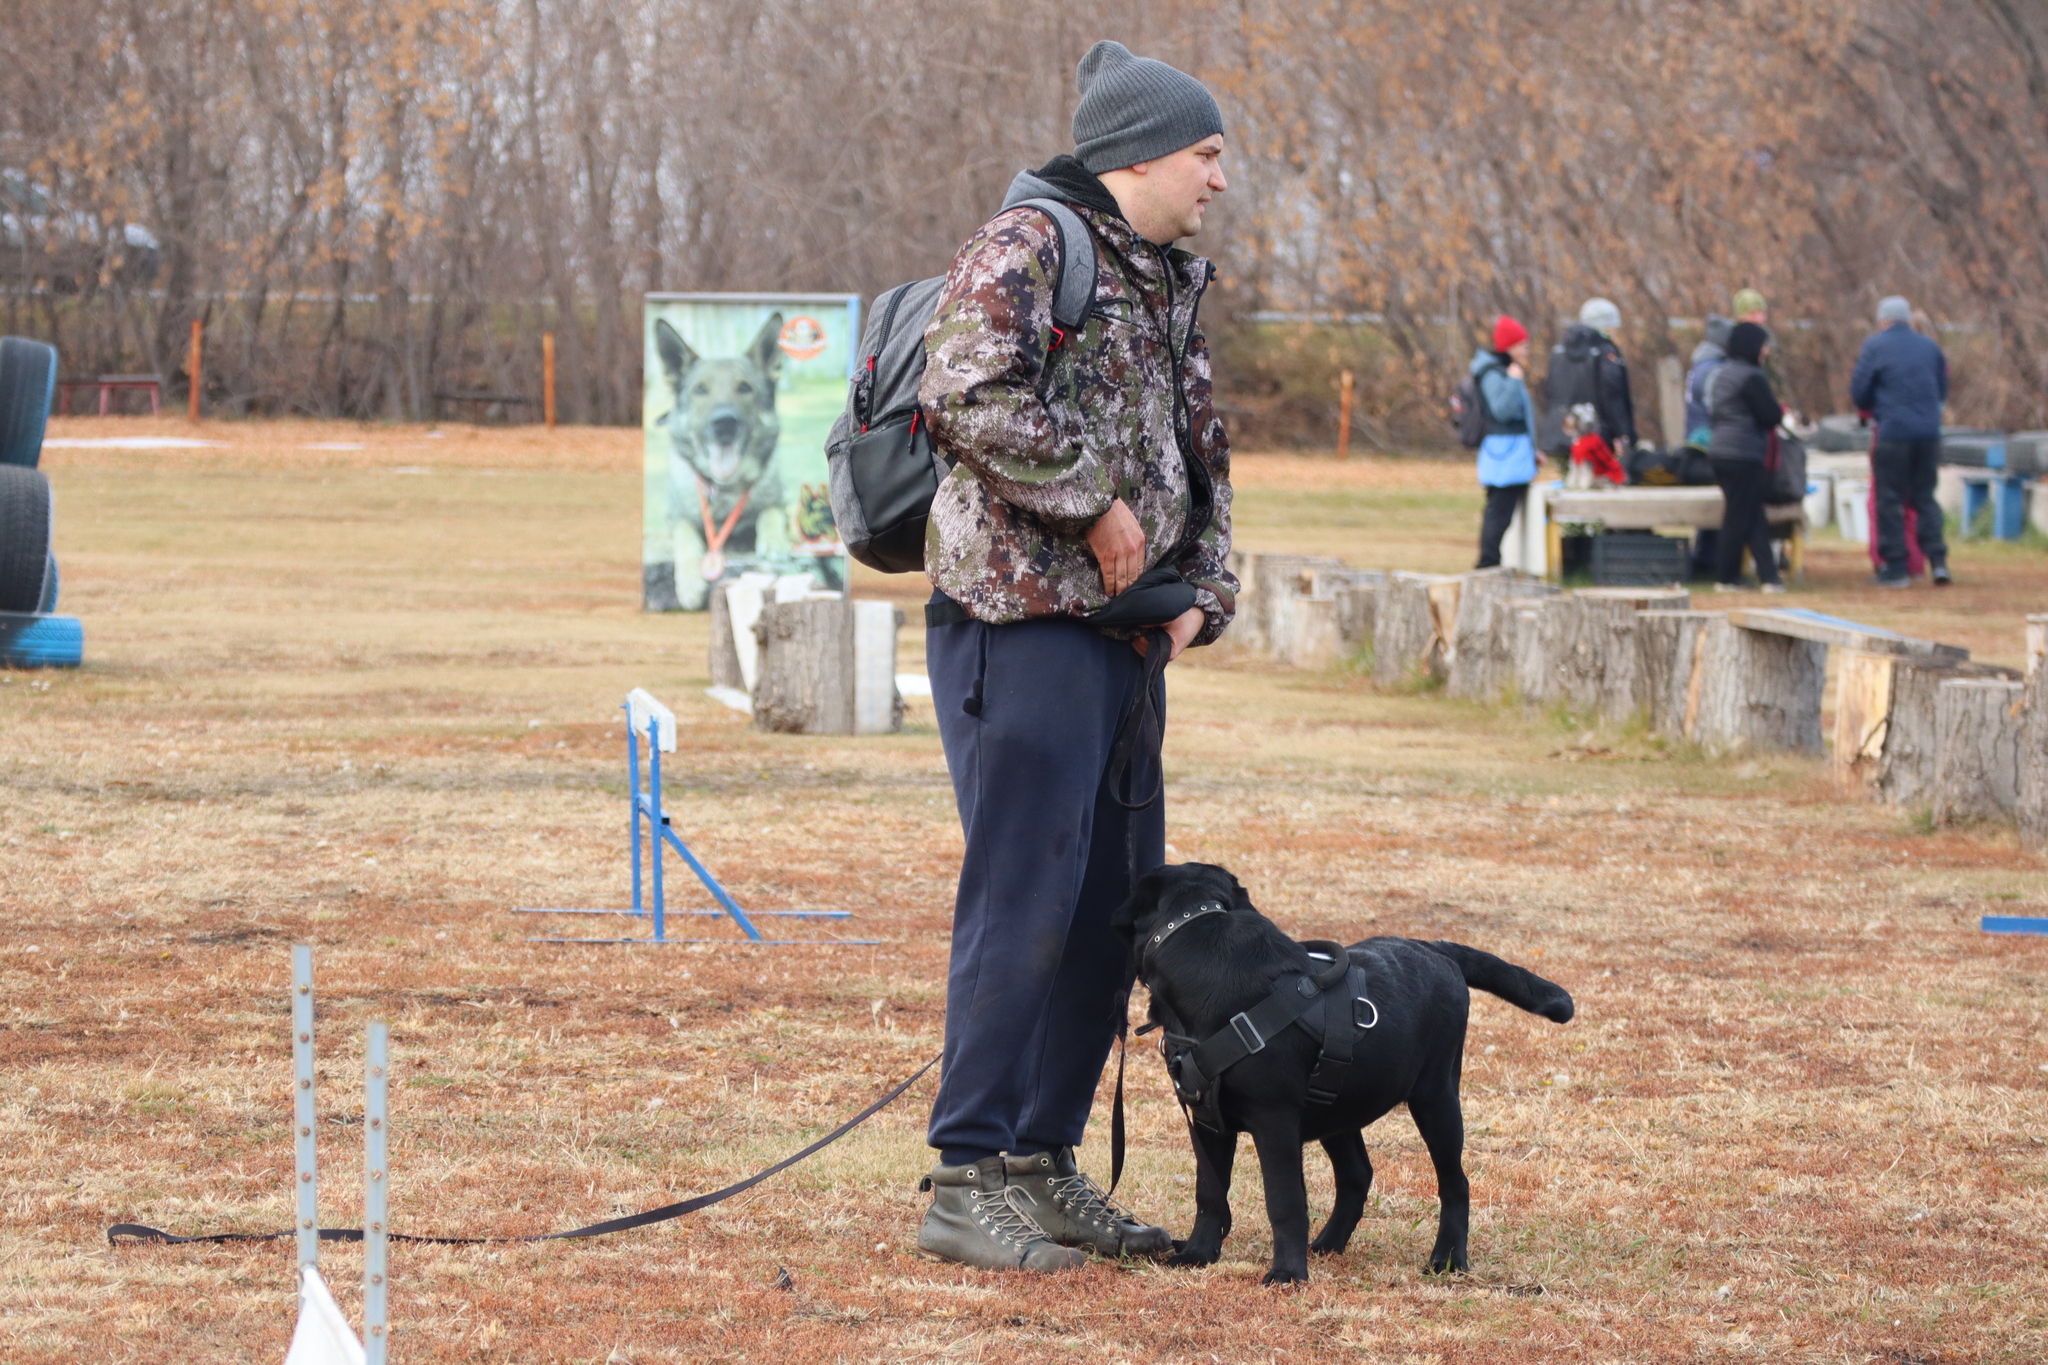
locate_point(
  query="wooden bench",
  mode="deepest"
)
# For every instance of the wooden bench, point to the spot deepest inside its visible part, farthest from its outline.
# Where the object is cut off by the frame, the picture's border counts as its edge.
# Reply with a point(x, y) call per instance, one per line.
point(486, 400)
point(109, 385)
point(1651, 509)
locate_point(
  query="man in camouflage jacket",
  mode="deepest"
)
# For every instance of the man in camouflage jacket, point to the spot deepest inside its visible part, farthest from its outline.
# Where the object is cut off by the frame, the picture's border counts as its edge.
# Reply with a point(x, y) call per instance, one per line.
point(1082, 462)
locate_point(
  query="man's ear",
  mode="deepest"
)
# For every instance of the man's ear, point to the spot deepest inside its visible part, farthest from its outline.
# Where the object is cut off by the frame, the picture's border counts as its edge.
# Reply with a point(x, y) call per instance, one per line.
point(766, 350)
point(676, 356)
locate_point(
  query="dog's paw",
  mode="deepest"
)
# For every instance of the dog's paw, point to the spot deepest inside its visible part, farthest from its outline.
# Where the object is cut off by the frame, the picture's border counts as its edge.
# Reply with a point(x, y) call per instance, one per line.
point(1447, 1265)
point(1334, 1247)
point(1282, 1277)
point(1186, 1254)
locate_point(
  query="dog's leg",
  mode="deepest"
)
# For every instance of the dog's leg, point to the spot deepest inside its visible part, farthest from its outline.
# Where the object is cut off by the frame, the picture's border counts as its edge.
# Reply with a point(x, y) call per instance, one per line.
point(1215, 1154)
point(1441, 1121)
point(1353, 1169)
point(1279, 1144)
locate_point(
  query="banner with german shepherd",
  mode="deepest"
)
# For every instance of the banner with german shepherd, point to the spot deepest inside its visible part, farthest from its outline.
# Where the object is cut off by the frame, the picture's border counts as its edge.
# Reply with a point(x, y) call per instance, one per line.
point(741, 392)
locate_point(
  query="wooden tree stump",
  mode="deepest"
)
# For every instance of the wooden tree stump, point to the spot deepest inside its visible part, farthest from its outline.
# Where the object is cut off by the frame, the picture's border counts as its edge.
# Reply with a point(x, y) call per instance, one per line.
point(2032, 808)
point(1406, 638)
point(1266, 579)
point(1977, 744)
point(1482, 655)
point(1668, 643)
point(1531, 671)
point(828, 668)
point(1757, 690)
point(1312, 639)
point(1591, 651)
point(725, 653)
point(1357, 612)
point(1863, 711)
point(1892, 753)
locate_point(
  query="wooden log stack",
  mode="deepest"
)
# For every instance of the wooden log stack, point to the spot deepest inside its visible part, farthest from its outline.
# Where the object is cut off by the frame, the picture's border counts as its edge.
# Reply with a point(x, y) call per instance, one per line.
point(1484, 635)
point(828, 667)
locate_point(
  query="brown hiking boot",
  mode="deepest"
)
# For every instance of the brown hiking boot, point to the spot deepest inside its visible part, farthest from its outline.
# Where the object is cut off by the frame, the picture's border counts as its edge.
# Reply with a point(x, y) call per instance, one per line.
point(978, 1219)
point(1075, 1212)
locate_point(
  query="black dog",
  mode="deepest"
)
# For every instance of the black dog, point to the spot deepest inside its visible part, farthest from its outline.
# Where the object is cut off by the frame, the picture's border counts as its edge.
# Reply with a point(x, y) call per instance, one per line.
point(1216, 967)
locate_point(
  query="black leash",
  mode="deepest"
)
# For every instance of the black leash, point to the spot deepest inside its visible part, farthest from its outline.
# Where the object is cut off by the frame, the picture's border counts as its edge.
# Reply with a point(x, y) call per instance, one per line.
point(135, 1232)
point(1139, 724)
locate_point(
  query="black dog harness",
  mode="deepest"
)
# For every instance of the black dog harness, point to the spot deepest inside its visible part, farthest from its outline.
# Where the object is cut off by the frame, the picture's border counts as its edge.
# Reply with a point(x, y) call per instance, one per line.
point(1331, 1005)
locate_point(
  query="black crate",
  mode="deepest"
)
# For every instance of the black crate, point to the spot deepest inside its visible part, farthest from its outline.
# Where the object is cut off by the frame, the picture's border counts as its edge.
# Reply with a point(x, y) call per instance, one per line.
point(1640, 559)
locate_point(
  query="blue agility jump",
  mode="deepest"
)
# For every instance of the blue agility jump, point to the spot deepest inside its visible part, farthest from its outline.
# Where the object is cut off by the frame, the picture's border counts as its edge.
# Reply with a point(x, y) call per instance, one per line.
point(648, 718)
point(2015, 924)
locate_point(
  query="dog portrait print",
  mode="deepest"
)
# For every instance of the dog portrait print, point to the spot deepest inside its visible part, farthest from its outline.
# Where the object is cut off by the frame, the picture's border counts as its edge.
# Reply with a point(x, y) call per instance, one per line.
point(724, 489)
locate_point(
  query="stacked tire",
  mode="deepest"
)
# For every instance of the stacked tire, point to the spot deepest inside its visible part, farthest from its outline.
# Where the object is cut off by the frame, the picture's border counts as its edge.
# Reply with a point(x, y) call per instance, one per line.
point(31, 635)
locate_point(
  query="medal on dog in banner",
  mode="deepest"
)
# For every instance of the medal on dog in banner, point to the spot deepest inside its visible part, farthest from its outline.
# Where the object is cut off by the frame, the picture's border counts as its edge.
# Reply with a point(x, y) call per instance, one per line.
point(714, 565)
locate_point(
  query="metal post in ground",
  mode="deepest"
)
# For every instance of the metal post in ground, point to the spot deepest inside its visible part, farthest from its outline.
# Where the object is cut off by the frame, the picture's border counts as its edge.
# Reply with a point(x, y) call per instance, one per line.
point(305, 1179)
point(376, 1195)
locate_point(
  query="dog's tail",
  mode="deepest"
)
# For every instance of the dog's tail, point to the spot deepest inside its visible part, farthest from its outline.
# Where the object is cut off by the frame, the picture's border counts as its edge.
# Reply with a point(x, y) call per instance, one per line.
point(1519, 987)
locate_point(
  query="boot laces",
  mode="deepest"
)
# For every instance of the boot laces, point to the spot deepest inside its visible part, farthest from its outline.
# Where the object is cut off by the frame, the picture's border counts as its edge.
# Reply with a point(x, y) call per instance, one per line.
point(1007, 1218)
point(1086, 1199)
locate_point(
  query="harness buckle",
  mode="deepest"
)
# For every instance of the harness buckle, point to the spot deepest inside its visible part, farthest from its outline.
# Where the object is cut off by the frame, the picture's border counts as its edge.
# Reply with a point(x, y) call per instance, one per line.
point(1358, 1018)
point(1248, 1032)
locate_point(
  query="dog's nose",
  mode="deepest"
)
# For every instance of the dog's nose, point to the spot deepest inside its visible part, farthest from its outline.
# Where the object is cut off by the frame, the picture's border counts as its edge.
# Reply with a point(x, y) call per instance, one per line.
point(725, 428)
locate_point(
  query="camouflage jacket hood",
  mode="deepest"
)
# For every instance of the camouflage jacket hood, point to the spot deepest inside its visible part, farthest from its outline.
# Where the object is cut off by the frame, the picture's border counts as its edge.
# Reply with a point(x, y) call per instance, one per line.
point(1046, 437)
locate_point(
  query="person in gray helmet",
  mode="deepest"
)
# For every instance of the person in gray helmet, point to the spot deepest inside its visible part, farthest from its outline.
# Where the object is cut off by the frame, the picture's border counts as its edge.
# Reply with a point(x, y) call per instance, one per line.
point(1901, 380)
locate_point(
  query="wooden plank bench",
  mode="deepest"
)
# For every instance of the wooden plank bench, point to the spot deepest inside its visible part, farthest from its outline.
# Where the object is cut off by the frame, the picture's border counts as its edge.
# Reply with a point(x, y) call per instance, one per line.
point(109, 385)
point(1650, 509)
point(1801, 624)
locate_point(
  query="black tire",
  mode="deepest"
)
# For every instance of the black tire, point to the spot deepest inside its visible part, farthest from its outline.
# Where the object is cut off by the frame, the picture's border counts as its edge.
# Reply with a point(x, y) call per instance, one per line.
point(24, 538)
point(28, 381)
point(50, 586)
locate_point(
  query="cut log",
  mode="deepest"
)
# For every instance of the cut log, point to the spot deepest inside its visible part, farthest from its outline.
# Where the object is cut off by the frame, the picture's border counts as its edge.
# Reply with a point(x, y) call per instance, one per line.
point(1530, 669)
point(828, 668)
point(725, 653)
point(1357, 610)
point(1977, 744)
point(1863, 711)
point(1905, 769)
point(1672, 663)
point(1312, 637)
point(1266, 579)
point(1482, 656)
point(1406, 643)
point(2032, 810)
point(1591, 651)
point(1756, 690)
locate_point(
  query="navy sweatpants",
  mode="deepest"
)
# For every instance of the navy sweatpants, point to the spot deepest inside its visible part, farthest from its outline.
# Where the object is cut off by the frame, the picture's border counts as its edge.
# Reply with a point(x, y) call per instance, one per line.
point(1036, 972)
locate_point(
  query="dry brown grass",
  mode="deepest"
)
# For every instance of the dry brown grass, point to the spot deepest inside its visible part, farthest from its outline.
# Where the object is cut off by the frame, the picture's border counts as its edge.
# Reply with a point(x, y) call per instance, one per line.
point(1800, 1116)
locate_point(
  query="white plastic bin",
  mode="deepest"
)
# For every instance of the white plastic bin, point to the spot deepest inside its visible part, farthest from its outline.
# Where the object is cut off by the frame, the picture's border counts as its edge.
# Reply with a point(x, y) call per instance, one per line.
point(1852, 509)
point(1820, 499)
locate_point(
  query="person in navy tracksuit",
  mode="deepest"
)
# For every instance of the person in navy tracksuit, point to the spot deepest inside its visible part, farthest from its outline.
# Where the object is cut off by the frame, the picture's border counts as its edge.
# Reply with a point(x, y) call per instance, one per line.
point(1901, 379)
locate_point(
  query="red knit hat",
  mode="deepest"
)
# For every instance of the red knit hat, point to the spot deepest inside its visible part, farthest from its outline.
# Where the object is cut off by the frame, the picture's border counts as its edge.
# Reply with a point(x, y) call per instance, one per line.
point(1507, 332)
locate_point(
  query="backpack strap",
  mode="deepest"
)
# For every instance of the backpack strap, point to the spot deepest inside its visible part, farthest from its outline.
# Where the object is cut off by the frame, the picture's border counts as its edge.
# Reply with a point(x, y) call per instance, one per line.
point(1073, 297)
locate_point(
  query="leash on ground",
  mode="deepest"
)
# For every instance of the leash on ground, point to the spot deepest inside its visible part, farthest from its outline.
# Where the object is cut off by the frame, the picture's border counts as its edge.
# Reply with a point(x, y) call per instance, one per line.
point(124, 1233)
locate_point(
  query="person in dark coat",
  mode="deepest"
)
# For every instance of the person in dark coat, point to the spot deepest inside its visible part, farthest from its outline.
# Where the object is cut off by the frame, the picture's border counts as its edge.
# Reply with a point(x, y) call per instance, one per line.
point(1588, 385)
point(1901, 379)
point(1742, 413)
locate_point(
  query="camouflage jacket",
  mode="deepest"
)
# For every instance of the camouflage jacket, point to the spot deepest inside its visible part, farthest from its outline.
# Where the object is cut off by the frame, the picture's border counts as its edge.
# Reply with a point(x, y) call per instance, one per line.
point(1043, 452)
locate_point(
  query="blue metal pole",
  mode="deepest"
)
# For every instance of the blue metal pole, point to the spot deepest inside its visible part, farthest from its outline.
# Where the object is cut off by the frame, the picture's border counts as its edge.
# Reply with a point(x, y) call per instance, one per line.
point(711, 884)
point(376, 1196)
point(305, 1156)
point(633, 780)
point(656, 825)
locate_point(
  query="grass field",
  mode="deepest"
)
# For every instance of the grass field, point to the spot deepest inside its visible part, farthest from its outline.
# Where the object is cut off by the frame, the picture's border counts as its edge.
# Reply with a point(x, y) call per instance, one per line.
point(359, 687)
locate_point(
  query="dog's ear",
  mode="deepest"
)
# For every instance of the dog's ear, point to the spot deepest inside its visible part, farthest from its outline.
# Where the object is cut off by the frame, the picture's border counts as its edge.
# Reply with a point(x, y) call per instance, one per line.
point(766, 351)
point(1143, 898)
point(676, 355)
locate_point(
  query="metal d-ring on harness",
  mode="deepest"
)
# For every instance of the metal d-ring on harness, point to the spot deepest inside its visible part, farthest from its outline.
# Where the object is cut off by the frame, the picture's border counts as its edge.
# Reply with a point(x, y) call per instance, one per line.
point(1314, 1002)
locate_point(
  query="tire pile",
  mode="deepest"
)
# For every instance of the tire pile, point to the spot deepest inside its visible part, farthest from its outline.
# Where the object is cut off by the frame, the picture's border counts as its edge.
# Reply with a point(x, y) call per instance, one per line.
point(32, 635)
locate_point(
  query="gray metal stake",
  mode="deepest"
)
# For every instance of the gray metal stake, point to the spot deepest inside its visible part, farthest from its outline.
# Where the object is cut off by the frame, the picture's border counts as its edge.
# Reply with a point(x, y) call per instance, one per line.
point(305, 1181)
point(376, 1196)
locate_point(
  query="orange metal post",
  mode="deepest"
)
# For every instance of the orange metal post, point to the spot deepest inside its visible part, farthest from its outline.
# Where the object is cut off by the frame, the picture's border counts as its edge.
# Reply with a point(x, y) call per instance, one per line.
point(547, 378)
point(192, 369)
point(1344, 385)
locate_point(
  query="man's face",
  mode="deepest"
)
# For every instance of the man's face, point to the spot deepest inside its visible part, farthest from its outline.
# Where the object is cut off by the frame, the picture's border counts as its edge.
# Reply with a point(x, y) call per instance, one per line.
point(1164, 198)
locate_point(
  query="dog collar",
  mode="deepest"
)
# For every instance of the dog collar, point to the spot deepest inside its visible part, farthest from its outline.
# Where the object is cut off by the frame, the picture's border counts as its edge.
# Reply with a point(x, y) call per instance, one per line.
point(1179, 922)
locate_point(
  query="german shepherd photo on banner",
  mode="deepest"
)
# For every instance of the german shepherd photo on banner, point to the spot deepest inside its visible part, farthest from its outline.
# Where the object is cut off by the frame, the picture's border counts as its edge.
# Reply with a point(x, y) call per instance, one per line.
point(729, 442)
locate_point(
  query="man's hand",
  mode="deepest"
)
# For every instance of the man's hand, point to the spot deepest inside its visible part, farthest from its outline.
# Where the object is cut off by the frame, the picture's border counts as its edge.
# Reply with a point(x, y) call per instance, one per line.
point(1119, 547)
point(1181, 630)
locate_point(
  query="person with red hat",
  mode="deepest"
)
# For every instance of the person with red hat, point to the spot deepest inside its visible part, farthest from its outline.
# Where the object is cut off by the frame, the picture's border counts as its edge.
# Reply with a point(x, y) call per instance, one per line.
point(1507, 457)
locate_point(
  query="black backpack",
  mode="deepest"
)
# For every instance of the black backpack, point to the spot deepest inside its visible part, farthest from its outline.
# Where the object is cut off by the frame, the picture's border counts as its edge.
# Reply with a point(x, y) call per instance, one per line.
point(885, 468)
point(1468, 410)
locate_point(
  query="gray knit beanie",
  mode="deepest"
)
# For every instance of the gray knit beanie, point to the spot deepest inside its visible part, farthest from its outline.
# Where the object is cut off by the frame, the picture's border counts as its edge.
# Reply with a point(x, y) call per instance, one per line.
point(1894, 308)
point(1133, 109)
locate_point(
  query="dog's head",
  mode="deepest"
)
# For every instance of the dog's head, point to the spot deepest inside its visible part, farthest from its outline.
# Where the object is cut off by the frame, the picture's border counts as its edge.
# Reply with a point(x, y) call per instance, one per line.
point(723, 424)
point(1166, 892)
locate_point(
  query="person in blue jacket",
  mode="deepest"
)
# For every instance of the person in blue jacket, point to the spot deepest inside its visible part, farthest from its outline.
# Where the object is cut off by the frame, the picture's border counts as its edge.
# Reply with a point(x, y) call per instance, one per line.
point(1901, 380)
point(1507, 457)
